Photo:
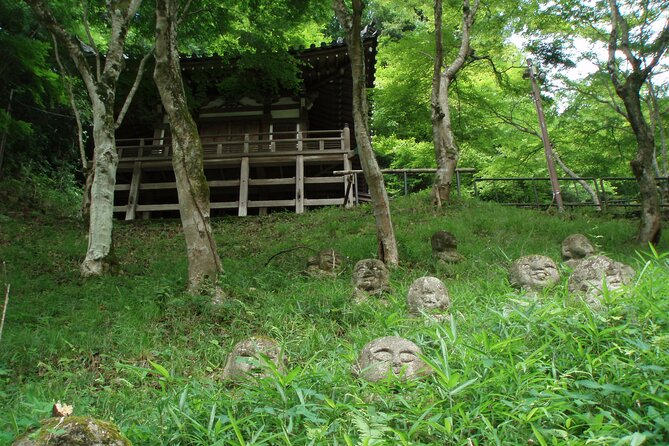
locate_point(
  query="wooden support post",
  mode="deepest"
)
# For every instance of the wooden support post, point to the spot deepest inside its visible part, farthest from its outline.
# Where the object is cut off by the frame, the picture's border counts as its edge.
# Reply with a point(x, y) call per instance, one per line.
point(349, 180)
point(299, 175)
point(346, 138)
point(272, 144)
point(244, 181)
point(548, 148)
point(133, 196)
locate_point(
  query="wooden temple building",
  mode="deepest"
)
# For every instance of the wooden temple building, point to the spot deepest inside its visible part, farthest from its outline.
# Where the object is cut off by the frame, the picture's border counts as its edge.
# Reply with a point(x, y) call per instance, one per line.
point(260, 153)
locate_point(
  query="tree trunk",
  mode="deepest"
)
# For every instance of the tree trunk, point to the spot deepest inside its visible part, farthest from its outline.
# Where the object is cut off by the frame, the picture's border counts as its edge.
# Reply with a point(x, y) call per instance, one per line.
point(642, 165)
point(445, 148)
point(387, 245)
point(658, 125)
point(583, 183)
point(101, 88)
point(650, 228)
point(187, 153)
point(102, 192)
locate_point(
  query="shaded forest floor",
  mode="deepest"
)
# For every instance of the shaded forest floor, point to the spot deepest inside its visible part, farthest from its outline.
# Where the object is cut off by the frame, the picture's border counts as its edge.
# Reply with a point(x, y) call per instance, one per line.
point(510, 369)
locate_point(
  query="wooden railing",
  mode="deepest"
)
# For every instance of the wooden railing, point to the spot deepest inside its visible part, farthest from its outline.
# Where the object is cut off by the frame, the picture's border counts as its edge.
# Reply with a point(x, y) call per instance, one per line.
point(216, 146)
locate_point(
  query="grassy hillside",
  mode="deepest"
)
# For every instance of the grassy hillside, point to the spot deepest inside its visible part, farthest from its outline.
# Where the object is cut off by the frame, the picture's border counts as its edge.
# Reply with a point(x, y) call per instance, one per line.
point(133, 348)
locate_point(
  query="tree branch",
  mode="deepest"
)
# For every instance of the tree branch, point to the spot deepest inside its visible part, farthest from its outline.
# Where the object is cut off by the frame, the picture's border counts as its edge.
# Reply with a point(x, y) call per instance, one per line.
point(133, 90)
point(77, 116)
point(91, 41)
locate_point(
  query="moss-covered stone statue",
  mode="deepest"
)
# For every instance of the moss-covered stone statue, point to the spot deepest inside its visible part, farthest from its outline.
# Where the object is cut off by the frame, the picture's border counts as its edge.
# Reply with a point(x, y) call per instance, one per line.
point(73, 431)
point(390, 357)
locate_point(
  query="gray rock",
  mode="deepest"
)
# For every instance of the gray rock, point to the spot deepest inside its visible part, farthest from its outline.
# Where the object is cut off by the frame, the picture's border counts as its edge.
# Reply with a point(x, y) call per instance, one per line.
point(444, 247)
point(591, 273)
point(245, 362)
point(390, 357)
point(533, 273)
point(370, 277)
point(576, 246)
point(327, 263)
point(73, 431)
point(428, 295)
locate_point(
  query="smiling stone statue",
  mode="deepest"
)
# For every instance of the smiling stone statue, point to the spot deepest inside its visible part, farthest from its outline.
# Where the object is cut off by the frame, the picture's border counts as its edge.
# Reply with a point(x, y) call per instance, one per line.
point(594, 273)
point(390, 357)
point(533, 273)
point(428, 295)
point(370, 277)
point(575, 248)
point(245, 360)
point(445, 247)
point(327, 263)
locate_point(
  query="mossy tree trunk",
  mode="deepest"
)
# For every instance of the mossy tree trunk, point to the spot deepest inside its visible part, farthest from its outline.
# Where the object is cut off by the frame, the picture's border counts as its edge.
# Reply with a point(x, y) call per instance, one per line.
point(445, 147)
point(100, 82)
point(628, 88)
point(187, 153)
point(351, 22)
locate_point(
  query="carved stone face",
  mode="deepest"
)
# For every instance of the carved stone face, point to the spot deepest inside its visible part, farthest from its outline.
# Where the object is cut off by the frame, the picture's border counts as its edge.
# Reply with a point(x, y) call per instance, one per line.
point(576, 246)
point(390, 356)
point(590, 273)
point(428, 294)
point(327, 262)
point(444, 247)
point(533, 272)
point(245, 362)
point(443, 241)
point(371, 276)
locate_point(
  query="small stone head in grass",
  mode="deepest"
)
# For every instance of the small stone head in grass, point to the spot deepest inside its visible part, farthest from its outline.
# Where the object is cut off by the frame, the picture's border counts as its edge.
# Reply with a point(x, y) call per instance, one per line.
point(428, 295)
point(370, 276)
point(327, 263)
point(575, 248)
point(533, 273)
point(390, 357)
point(444, 247)
point(595, 273)
point(251, 357)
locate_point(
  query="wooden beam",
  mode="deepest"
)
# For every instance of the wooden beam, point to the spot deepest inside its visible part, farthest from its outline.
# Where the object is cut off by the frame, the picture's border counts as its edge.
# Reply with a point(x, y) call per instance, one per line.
point(323, 180)
point(134, 191)
point(299, 175)
point(348, 183)
point(323, 201)
point(271, 203)
point(244, 187)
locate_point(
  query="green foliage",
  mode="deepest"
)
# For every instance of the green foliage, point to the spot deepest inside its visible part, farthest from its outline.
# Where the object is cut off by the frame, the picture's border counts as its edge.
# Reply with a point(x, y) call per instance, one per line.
point(36, 191)
point(133, 347)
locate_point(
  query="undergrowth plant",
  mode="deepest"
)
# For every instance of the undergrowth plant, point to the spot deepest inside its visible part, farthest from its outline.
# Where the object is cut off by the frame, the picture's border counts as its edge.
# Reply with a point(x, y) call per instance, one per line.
point(508, 368)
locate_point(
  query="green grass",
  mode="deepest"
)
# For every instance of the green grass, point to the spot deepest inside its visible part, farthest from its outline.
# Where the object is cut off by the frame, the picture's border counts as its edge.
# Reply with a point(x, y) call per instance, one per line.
point(133, 348)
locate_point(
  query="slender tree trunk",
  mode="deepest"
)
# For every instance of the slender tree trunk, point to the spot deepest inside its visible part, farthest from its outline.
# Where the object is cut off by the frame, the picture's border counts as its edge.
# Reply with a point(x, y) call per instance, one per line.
point(583, 183)
point(445, 147)
point(628, 89)
point(101, 88)
point(642, 165)
point(187, 154)
point(658, 125)
point(102, 191)
point(388, 252)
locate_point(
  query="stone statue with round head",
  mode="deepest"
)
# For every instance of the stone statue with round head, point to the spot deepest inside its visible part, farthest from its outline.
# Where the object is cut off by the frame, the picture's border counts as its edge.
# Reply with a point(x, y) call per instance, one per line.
point(533, 273)
point(390, 357)
point(327, 263)
point(248, 359)
point(428, 295)
point(370, 277)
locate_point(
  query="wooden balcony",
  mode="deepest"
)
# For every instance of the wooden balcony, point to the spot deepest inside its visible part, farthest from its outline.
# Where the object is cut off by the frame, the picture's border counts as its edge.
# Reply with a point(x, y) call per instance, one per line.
point(220, 147)
point(256, 171)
